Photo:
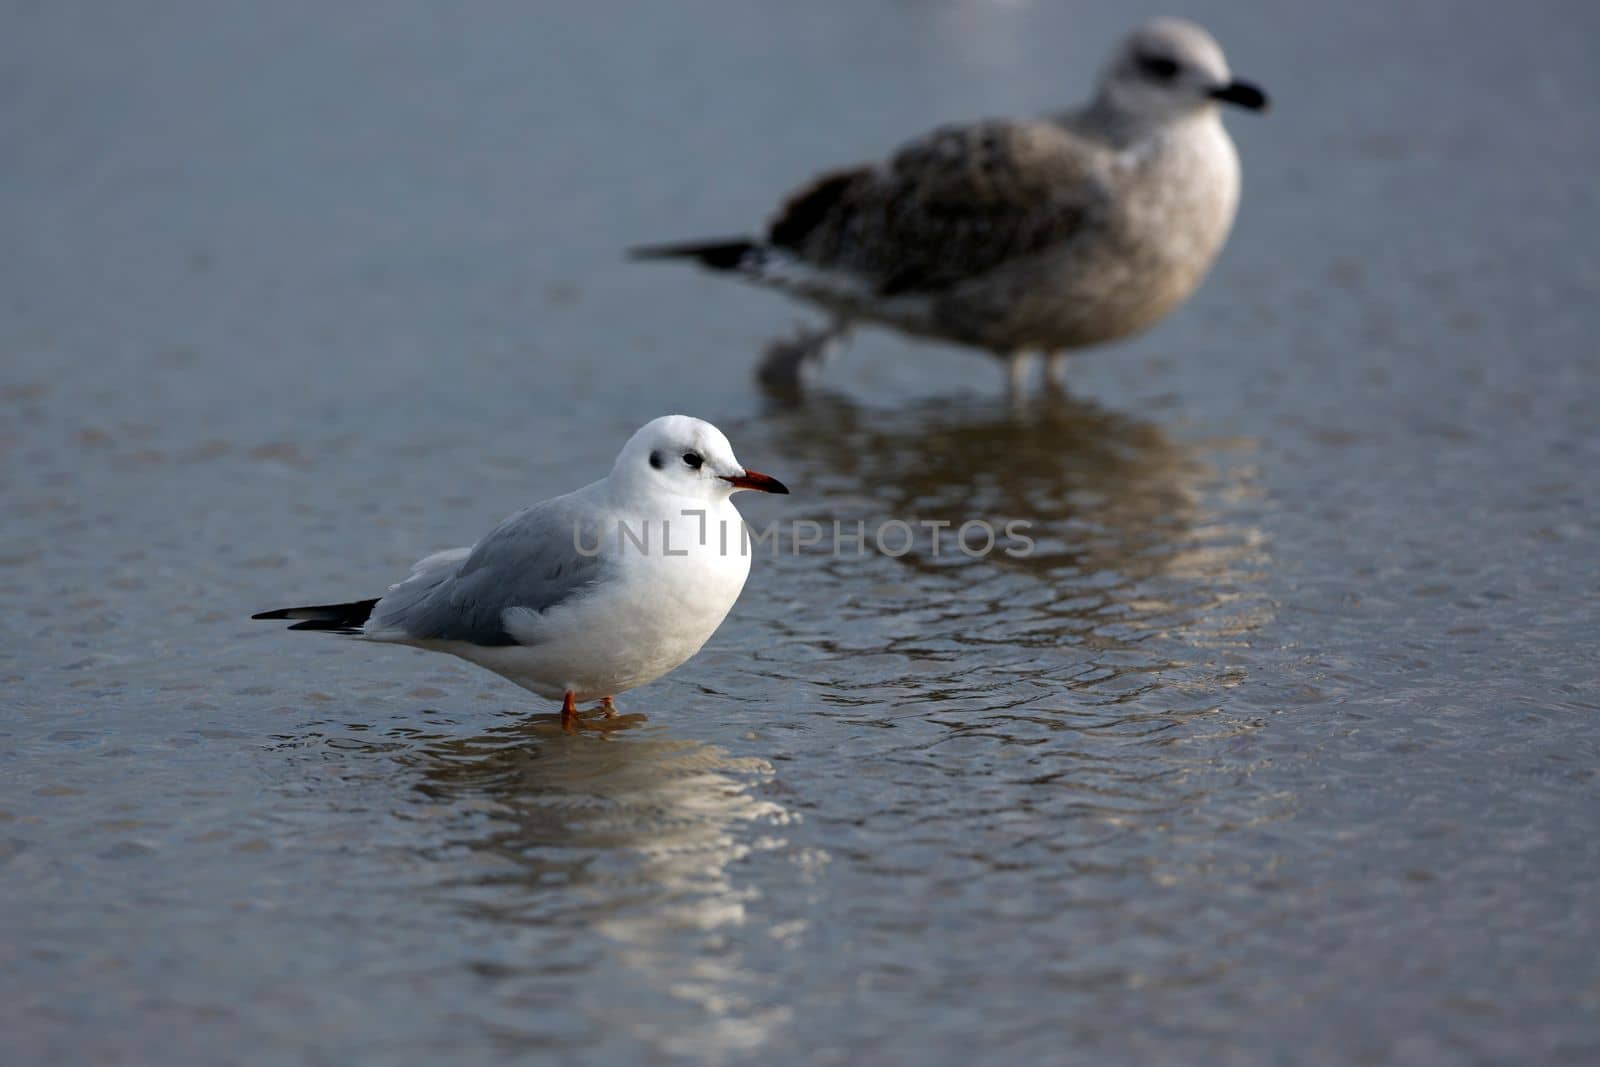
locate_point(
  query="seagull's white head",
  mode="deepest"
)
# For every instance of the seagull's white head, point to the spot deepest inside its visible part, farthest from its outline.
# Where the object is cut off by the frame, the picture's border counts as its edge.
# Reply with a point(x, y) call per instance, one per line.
point(1168, 68)
point(689, 457)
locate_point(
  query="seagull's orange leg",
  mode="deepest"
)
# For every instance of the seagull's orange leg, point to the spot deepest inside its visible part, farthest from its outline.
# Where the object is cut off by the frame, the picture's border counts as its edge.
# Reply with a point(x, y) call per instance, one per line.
point(609, 707)
point(569, 713)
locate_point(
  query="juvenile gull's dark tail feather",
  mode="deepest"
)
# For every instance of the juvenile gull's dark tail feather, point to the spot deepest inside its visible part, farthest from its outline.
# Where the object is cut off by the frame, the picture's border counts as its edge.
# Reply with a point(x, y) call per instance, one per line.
point(718, 255)
point(330, 618)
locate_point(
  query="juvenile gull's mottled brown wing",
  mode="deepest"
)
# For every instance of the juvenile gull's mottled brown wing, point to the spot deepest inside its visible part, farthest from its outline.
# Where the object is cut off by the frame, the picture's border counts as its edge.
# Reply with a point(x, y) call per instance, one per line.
point(949, 206)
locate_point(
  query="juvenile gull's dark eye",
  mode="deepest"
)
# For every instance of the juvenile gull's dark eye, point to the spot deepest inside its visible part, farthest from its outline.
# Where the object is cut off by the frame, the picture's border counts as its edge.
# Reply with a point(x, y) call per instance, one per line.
point(1159, 67)
point(693, 459)
point(655, 460)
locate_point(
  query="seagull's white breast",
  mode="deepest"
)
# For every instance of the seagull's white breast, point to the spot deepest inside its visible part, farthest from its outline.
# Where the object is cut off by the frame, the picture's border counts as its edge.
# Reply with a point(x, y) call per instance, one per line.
point(666, 594)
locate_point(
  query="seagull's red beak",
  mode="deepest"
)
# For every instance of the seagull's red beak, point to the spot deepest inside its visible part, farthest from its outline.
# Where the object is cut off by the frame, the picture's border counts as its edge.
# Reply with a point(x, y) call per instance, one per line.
point(761, 483)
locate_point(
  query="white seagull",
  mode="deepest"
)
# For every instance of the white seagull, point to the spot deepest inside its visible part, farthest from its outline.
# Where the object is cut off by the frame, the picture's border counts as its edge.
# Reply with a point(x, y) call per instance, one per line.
point(586, 595)
point(1018, 237)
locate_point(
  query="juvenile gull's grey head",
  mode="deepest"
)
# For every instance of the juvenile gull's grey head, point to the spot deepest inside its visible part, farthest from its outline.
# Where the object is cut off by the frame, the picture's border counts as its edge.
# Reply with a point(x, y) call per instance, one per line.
point(684, 456)
point(1168, 68)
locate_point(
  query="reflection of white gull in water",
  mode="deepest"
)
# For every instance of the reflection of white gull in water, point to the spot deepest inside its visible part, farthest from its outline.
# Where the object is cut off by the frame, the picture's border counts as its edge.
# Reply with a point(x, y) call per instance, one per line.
point(634, 836)
point(1018, 236)
point(556, 601)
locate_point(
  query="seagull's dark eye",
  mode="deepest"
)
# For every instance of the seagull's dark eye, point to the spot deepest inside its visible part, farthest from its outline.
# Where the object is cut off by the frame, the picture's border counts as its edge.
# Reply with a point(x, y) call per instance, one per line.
point(656, 460)
point(1158, 67)
point(693, 459)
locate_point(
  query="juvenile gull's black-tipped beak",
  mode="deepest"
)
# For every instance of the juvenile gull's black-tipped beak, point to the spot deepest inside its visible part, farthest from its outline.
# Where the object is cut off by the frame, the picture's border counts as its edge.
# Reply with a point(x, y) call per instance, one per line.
point(1243, 94)
point(761, 483)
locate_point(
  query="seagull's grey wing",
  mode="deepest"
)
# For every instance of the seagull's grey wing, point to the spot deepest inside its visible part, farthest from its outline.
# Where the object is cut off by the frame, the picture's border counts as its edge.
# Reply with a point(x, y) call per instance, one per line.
point(530, 561)
point(950, 205)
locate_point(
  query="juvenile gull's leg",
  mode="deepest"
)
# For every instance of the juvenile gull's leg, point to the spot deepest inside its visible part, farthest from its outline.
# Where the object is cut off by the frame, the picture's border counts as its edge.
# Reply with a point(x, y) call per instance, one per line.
point(1019, 370)
point(608, 707)
point(569, 712)
point(785, 359)
point(1056, 370)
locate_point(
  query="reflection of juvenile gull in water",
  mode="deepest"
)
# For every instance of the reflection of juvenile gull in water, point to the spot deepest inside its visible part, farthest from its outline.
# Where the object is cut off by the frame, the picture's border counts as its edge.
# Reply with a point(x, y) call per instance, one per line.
point(1018, 236)
point(1133, 529)
point(557, 599)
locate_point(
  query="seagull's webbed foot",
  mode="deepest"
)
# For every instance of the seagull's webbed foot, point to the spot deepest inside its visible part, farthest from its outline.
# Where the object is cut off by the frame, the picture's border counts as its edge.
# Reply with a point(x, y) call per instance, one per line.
point(572, 718)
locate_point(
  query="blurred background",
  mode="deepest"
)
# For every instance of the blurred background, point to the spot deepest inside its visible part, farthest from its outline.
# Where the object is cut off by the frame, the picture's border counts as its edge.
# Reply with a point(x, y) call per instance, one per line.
point(1281, 749)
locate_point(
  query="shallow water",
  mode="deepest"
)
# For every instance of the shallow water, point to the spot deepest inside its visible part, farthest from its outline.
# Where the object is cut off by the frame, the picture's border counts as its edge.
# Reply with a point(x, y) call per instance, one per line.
point(1280, 748)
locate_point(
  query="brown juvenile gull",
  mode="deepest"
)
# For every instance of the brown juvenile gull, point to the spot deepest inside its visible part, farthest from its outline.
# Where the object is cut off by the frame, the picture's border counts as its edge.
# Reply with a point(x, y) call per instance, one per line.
point(1017, 236)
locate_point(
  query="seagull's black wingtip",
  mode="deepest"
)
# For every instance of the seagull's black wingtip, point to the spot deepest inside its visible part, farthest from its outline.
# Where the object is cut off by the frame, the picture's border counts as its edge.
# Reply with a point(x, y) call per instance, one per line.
point(340, 618)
